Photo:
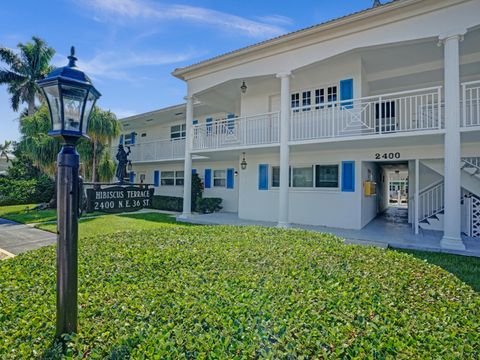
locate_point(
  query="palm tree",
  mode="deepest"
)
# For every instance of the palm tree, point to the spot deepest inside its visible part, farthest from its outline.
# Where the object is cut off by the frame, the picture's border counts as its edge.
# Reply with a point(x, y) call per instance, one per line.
point(36, 144)
point(102, 129)
point(6, 150)
point(32, 63)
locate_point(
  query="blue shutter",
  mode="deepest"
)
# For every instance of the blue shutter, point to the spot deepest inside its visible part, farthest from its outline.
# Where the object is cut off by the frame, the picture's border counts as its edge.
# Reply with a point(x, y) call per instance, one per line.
point(132, 176)
point(348, 176)
point(194, 171)
point(156, 178)
point(230, 123)
point(263, 177)
point(120, 142)
point(230, 178)
point(208, 178)
point(209, 121)
point(346, 93)
point(195, 122)
point(132, 138)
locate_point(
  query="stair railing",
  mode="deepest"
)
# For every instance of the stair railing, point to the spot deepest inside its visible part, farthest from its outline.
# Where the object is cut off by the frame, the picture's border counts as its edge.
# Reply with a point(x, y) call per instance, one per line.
point(431, 201)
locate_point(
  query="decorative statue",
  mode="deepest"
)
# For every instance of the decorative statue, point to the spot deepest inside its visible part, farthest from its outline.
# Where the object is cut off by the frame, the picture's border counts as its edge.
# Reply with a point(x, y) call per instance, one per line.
point(122, 158)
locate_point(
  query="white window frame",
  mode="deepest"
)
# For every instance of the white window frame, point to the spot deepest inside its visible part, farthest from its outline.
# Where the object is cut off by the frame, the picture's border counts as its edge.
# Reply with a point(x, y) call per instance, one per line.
point(162, 177)
point(314, 171)
point(182, 132)
point(127, 139)
point(326, 187)
point(307, 98)
point(224, 178)
point(179, 177)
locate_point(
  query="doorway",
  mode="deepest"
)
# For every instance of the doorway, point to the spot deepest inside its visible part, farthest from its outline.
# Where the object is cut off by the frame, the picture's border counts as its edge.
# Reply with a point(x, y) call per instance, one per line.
point(393, 199)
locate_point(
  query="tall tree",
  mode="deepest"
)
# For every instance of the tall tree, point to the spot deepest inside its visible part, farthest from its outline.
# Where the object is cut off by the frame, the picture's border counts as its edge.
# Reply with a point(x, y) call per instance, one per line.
point(102, 129)
point(36, 144)
point(6, 150)
point(32, 63)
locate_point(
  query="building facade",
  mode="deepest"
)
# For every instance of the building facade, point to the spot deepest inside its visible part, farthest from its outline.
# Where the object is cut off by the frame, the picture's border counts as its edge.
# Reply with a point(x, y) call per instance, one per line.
point(324, 116)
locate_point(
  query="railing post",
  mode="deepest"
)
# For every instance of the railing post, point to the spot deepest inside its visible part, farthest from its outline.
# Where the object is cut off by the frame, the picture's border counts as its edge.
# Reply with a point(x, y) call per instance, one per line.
point(417, 194)
point(463, 122)
point(439, 104)
point(380, 121)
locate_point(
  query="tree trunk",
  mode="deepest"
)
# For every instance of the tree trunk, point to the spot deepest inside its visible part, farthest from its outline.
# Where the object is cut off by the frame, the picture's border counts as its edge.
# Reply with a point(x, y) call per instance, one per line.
point(94, 161)
point(31, 107)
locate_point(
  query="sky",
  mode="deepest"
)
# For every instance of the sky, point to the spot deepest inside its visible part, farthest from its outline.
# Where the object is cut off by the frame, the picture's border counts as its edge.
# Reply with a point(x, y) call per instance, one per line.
point(130, 47)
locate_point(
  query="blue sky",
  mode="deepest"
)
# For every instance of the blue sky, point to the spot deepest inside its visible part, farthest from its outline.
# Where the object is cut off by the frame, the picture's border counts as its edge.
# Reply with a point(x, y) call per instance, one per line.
point(130, 47)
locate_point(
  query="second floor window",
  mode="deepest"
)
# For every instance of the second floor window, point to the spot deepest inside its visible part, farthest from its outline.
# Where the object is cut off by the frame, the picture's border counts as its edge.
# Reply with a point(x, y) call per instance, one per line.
point(178, 132)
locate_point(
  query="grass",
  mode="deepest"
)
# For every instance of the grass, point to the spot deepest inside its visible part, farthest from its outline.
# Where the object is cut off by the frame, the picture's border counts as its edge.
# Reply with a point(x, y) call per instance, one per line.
point(465, 268)
point(109, 224)
point(25, 215)
point(179, 291)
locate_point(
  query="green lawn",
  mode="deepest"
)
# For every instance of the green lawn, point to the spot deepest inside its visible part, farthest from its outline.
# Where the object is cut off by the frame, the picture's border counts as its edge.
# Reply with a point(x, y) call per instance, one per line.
point(178, 291)
point(108, 224)
point(25, 215)
point(465, 268)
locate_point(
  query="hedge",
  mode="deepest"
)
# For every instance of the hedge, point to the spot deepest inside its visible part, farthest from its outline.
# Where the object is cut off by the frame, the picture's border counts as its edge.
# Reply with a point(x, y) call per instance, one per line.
point(21, 191)
point(239, 292)
point(209, 205)
point(169, 203)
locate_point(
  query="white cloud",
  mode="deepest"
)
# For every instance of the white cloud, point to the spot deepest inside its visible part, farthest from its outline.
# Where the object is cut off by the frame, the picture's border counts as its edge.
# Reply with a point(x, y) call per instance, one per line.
point(276, 19)
point(115, 10)
point(116, 65)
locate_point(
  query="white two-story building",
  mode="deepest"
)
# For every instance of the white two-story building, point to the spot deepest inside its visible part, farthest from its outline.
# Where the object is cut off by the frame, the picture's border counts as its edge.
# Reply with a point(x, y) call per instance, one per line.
point(308, 127)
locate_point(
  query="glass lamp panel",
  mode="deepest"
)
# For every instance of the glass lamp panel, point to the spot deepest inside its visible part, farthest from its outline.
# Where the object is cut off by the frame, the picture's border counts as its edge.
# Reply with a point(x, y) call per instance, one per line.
point(73, 99)
point(53, 98)
point(88, 110)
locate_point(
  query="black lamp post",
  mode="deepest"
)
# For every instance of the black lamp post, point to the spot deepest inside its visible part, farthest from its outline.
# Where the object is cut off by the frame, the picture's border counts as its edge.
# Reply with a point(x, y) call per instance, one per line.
point(70, 97)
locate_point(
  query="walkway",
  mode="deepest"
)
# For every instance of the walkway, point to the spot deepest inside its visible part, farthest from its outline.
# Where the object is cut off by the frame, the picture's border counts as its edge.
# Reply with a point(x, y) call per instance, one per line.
point(17, 238)
point(388, 230)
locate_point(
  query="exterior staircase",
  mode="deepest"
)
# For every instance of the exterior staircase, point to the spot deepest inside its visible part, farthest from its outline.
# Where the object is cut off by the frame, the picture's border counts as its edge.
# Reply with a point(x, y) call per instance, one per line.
point(431, 199)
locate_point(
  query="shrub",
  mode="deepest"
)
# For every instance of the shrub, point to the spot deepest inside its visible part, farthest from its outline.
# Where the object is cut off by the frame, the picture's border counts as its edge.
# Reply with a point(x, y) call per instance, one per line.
point(197, 190)
point(21, 191)
point(209, 205)
point(239, 292)
point(168, 203)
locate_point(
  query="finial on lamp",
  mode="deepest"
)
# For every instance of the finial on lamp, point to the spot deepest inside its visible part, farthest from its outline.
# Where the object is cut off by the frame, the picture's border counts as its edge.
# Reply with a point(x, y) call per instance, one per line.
point(72, 57)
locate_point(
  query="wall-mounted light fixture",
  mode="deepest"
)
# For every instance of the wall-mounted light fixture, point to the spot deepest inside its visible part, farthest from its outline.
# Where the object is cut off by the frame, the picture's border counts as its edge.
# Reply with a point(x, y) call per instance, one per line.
point(243, 164)
point(243, 87)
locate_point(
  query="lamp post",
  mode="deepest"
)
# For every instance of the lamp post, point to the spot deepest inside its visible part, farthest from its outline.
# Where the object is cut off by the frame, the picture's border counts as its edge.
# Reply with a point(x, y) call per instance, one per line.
point(70, 96)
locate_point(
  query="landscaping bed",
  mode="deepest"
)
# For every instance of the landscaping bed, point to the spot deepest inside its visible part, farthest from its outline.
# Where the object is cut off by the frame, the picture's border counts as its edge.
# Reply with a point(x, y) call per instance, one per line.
point(244, 292)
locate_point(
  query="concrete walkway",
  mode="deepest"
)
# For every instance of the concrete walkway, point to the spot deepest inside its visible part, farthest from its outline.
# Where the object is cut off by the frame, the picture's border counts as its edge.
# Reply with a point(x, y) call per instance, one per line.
point(384, 231)
point(17, 238)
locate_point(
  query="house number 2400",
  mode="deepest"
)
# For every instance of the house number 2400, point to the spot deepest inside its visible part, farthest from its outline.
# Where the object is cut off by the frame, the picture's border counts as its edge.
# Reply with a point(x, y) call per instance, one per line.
point(390, 156)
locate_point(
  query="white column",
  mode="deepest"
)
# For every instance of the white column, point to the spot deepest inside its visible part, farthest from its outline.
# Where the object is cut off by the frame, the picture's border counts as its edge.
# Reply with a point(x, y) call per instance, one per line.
point(187, 182)
point(452, 177)
point(417, 194)
point(284, 150)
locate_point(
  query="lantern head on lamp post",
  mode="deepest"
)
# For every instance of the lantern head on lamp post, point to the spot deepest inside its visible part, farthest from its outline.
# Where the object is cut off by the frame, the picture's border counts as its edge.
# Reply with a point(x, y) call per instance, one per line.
point(70, 96)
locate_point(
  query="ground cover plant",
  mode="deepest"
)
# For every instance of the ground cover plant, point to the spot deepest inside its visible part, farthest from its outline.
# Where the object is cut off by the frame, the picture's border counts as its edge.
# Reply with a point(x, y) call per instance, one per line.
point(239, 292)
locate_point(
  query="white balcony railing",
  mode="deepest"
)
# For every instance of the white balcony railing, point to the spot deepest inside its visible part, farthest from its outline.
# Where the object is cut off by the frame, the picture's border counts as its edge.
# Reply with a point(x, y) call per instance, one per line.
point(156, 150)
point(431, 201)
point(471, 104)
point(262, 129)
point(405, 111)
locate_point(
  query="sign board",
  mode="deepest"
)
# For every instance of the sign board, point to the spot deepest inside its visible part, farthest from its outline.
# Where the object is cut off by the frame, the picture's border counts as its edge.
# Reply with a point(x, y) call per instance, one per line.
point(117, 199)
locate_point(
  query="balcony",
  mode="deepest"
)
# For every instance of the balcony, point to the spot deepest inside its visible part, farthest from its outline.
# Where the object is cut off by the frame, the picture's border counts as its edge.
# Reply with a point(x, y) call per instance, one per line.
point(158, 150)
point(246, 131)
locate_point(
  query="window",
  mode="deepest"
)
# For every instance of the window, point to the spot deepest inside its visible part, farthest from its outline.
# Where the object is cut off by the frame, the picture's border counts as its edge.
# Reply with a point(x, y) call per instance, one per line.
point(219, 178)
point(178, 132)
point(302, 176)
point(306, 100)
point(179, 178)
point(326, 176)
point(168, 178)
point(319, 98)
point(331, 94)
point(129, 139)
point(295, 101)
point(275, 176)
